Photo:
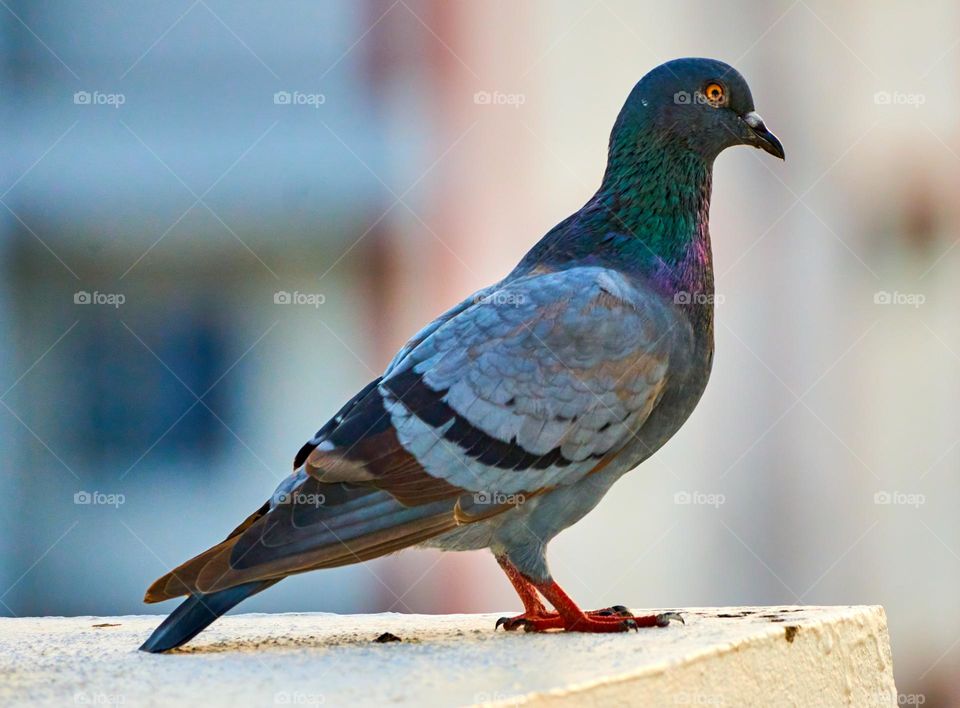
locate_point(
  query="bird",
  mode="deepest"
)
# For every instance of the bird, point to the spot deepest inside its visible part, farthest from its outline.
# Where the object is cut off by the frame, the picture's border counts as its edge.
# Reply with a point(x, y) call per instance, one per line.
point(508, 418)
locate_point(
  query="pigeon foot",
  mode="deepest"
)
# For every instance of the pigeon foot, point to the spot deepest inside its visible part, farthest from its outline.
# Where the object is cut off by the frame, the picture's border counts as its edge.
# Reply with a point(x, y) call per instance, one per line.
point(611, 619)
point(569, 617)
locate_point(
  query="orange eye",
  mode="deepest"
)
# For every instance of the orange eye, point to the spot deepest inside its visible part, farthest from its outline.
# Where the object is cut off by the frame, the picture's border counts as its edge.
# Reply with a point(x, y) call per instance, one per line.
point(714, 93)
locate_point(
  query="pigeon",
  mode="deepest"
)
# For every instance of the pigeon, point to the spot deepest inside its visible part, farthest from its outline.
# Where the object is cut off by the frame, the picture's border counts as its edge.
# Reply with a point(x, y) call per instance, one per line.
point(511, 415)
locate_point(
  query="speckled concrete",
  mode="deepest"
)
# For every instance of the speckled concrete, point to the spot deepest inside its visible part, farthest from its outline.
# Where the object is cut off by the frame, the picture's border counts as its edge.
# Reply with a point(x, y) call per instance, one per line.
point(725, 656)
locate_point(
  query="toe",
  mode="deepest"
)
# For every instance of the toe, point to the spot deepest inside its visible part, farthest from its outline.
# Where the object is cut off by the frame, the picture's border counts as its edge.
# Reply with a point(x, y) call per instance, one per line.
point(511, 623)
point(615, 611)
point(665, 618)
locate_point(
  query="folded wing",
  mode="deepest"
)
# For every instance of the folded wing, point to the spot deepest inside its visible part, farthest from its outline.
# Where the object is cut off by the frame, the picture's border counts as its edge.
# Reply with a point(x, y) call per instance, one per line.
point(527, 386)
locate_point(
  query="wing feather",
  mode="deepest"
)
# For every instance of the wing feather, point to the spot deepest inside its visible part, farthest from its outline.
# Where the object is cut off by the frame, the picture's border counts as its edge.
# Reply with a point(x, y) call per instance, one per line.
point(534, 383)
point(531, 386)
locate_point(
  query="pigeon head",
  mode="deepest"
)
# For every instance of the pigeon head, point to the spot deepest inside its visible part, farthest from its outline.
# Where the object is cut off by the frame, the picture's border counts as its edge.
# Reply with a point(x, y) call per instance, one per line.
point(703, 105)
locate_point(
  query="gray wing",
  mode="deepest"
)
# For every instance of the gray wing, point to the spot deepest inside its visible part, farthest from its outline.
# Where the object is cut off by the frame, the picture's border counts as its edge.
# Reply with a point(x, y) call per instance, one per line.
point(532, 384)
point(418, 338)
point(527, 386)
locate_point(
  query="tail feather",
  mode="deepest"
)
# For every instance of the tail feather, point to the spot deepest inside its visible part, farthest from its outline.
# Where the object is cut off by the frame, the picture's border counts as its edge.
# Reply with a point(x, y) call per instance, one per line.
point(196, 613)
point(182, 580)
point(352, 524)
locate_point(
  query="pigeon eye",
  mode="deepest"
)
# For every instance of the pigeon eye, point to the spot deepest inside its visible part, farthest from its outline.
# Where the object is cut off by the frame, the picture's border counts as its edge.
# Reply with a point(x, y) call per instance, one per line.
point(715, 94)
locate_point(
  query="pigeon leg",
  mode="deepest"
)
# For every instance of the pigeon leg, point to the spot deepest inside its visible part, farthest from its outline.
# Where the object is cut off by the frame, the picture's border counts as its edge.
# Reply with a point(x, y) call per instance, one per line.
point(533, 608)
point(616, 619)
point(536, 617)
point(572, 619)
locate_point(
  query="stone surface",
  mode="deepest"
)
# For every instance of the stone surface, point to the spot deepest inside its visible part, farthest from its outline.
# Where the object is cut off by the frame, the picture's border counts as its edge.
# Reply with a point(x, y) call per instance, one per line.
point(801, 656)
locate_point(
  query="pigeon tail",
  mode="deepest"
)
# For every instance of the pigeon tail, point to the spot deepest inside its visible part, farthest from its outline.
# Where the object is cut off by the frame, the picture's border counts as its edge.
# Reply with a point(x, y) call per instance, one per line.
point(196, 613)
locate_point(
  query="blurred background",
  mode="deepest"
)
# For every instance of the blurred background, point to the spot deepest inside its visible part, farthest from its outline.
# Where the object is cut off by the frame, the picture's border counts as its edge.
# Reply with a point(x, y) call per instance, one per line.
point(219, 219)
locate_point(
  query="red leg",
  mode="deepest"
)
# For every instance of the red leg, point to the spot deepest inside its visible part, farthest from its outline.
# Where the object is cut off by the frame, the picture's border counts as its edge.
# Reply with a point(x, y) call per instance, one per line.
point(533, 609)
point(573, 619)
point(568, 616)
point(525, 589)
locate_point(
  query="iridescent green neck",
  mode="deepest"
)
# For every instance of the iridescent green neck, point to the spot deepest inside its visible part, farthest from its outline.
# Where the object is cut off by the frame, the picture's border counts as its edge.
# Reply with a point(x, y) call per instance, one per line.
point(650, 216)
point(656, 193)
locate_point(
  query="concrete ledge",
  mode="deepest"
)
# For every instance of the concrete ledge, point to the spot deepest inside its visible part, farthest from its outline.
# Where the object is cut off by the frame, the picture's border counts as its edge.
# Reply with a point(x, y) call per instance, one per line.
point(763, 656)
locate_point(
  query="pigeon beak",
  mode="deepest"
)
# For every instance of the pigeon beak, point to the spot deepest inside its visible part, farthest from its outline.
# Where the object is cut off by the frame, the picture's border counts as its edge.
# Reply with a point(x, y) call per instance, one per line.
point(760, 137)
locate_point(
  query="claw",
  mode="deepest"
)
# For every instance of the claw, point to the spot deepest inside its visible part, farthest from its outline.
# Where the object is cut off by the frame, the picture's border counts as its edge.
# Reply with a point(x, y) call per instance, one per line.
point(618, 610)
point(631, 624)
point(511, 623)
point(665, 618)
